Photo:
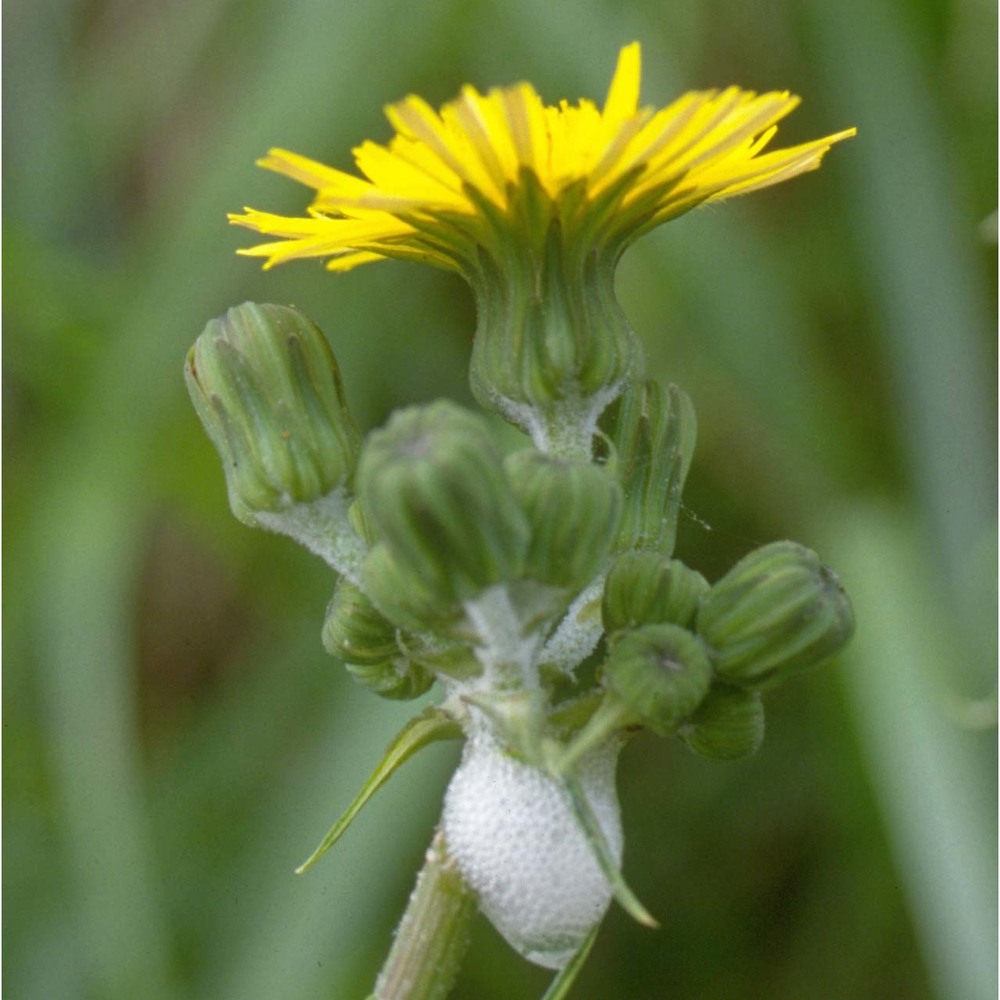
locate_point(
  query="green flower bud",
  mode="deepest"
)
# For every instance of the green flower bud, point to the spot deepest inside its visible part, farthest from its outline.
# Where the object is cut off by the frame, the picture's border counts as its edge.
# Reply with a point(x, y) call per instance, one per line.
point(358, 634)
point(572, 508)
point(776, 612)
point(267, 388)
point(403, 598)
point(727, 725)
point(646, 588)
point(661, 673)
point(653, 432)
point(432, 484)
point(355, 630)
point(398, 679)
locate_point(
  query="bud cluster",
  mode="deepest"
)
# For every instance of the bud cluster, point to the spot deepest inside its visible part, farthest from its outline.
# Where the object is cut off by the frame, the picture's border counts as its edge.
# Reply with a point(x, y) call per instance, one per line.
point(499, 575)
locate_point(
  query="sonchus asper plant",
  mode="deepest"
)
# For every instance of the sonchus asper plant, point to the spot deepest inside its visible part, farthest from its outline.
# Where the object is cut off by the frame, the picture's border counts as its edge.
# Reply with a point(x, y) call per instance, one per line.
point(497, 577)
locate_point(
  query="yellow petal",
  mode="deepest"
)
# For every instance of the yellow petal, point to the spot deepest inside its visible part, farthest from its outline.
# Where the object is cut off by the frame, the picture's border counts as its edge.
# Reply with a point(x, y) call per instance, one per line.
point(623, 95)
point(446, 185)
point(411, 170)
point(526, 123)
point(313, 174)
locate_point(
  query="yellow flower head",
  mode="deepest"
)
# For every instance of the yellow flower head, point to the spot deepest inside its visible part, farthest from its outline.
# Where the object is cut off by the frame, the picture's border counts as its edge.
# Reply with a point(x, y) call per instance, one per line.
point(488, 167)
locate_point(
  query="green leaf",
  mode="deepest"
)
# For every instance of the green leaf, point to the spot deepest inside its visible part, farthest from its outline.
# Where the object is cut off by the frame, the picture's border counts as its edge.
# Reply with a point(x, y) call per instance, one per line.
point(428, 727)
point(626, 898)
point(560, 986)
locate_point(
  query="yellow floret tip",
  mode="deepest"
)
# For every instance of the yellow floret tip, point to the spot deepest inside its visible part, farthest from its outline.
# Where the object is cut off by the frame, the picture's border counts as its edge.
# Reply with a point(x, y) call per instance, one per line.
point(471, 174)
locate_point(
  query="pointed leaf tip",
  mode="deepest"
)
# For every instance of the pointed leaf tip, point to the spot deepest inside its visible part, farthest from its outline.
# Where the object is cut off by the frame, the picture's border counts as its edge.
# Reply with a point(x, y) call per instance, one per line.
point(422, 730)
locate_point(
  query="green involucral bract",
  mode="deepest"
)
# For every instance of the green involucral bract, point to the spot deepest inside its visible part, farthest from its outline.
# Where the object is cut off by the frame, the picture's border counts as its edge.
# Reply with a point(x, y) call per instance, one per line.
point(727, 725)
point(660, 673)
point(573, 509)
point(646, 588)
point(652, 429)
point(552, 345)
point(356, 632)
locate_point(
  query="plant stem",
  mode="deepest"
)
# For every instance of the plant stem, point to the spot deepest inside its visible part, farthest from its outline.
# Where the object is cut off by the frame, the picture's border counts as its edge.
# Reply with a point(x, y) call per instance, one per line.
point(610, 717)
point(432, 937)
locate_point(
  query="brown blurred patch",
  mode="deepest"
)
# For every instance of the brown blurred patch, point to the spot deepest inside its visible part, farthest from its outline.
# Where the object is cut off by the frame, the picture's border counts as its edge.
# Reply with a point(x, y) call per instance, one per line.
point(192, 623)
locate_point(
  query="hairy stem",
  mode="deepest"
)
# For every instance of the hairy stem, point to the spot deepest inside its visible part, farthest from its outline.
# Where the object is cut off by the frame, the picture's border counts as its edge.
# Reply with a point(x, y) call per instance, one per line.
point(432, 937)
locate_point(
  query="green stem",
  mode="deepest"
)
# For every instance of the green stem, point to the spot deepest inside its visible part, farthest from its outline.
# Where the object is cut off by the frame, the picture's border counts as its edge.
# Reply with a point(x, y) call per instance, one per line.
point(432, 937)
point(610, 717)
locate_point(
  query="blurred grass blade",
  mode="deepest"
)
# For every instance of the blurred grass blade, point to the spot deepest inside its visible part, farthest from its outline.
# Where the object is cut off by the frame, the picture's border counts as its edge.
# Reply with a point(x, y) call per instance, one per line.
point(428, 727)
point(85, 568)
point(916, 240)
point(932, 775)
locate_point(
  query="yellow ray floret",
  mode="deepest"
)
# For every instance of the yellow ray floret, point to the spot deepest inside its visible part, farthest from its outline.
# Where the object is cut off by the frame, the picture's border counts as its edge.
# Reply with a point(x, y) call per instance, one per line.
point(447, 179)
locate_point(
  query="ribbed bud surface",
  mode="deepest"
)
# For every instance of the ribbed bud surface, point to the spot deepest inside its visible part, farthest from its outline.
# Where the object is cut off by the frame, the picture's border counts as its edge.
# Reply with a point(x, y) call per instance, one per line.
point(776, 612)
point(653, 431)
point(403, 597)
point(646, 588)
point(661, 672)
point(572, 509)
point(727, 725)
point(432, 483)
point(355, 630)
point(357, 633)
point(267, 388)
point(398, 679)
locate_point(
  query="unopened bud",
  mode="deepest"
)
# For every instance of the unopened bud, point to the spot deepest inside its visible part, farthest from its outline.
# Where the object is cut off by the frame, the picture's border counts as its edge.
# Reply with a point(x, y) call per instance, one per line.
point(653, 431)
point(572, 508)
point(432, 484)
point(646, 588)
point(398, 679)
point(403, 598)
point(267, 388)
point(776, 612)
point(727, 725)
point(358, 634)
point(355, 630)
point(661, 673)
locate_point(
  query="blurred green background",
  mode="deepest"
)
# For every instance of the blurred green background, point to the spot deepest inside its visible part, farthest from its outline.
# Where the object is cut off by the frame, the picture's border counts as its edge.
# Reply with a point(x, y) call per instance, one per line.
point(176, 741)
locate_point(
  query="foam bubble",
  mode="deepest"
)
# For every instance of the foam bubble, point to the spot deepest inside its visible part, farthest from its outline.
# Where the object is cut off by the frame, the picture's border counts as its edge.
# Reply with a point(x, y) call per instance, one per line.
point(510, 829)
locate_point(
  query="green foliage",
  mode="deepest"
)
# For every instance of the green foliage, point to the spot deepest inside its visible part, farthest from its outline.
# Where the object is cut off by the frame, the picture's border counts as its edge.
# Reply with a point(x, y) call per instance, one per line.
point(175, 735)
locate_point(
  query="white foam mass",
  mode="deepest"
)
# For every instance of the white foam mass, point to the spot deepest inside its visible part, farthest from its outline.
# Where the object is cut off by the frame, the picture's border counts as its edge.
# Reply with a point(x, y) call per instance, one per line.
point(510, 829)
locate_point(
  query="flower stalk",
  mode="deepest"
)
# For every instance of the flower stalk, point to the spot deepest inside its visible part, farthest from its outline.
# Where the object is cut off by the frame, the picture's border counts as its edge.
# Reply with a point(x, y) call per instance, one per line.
point(433, 934)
